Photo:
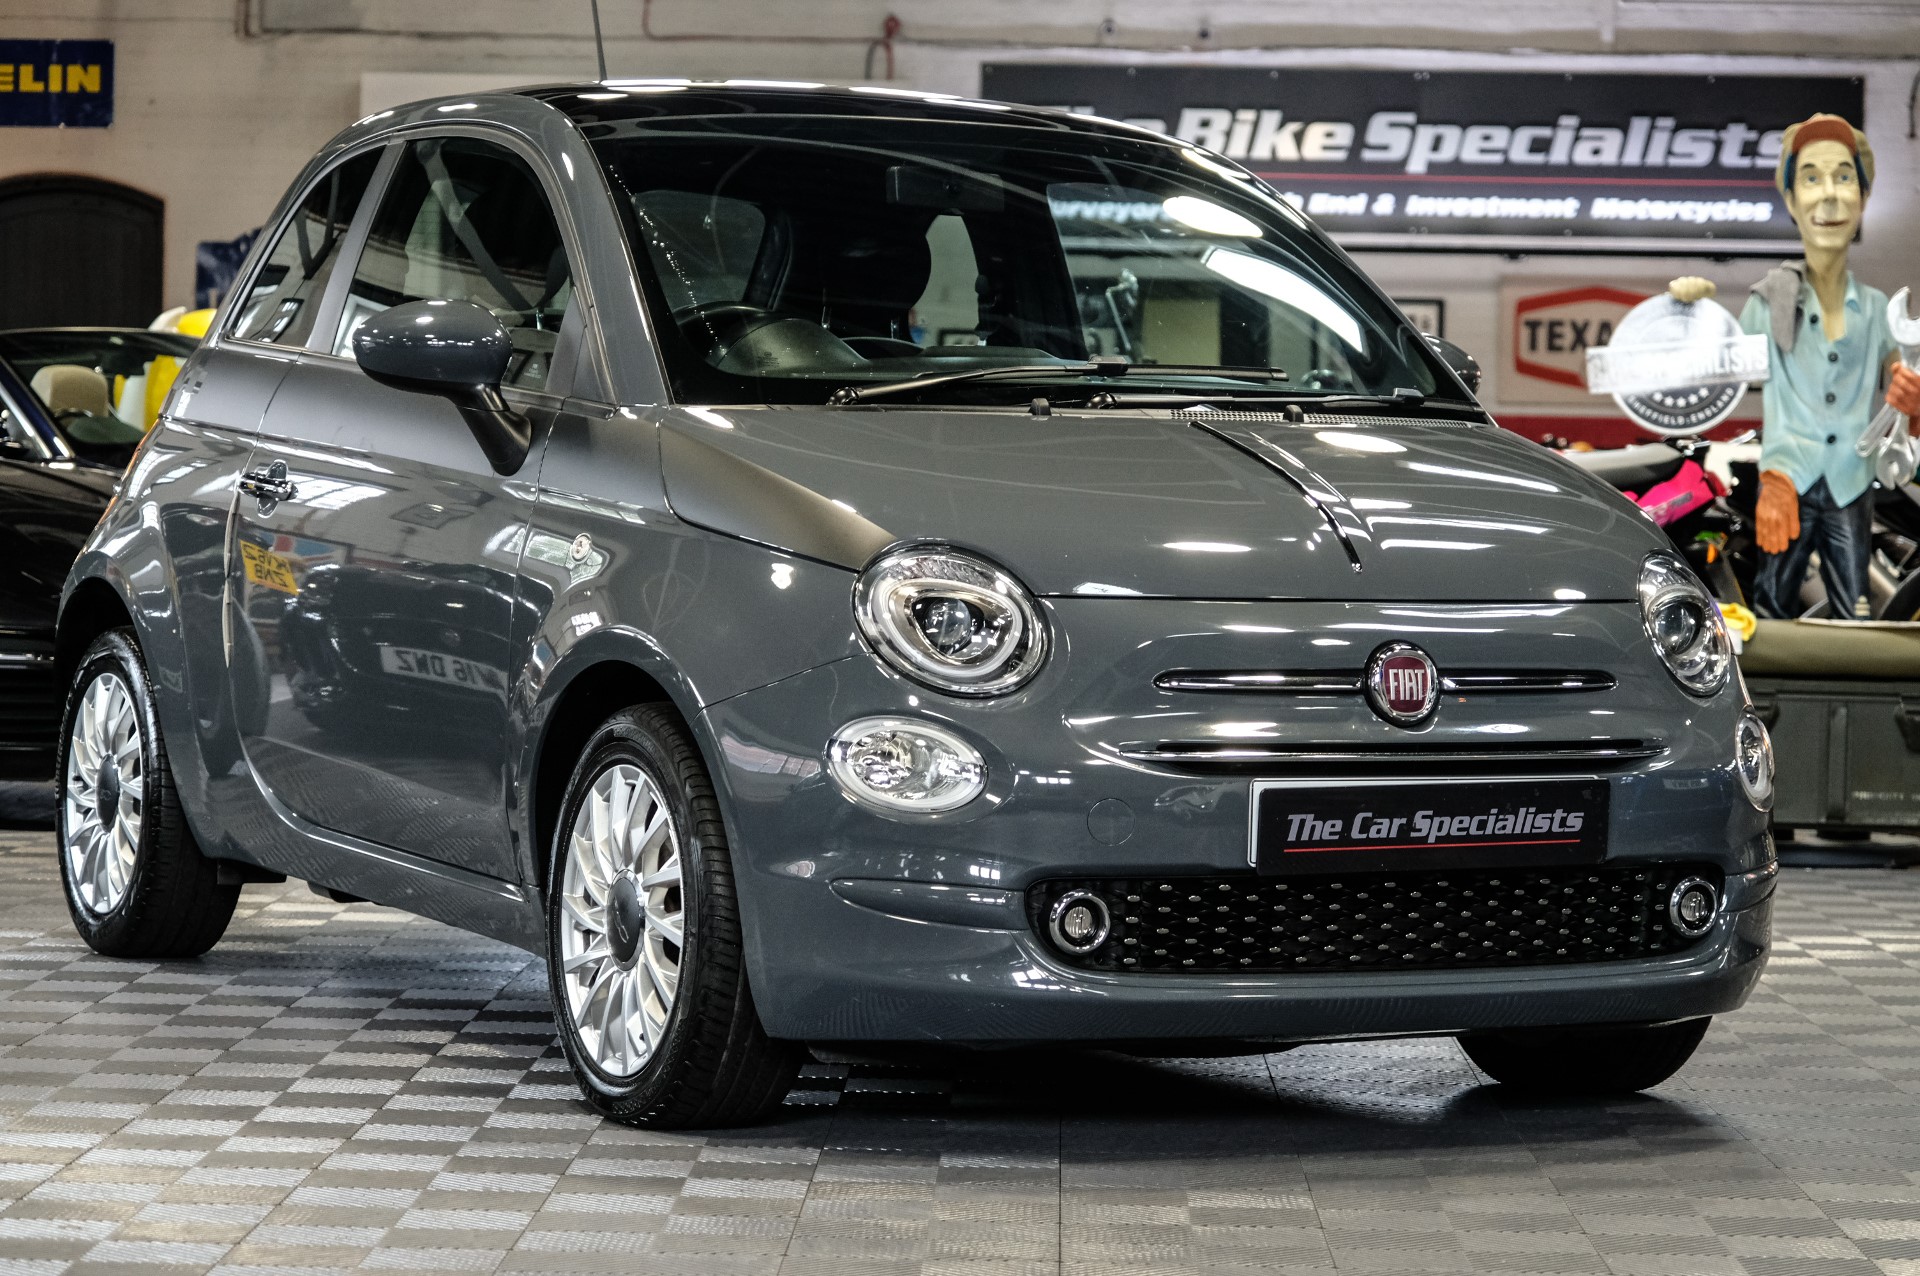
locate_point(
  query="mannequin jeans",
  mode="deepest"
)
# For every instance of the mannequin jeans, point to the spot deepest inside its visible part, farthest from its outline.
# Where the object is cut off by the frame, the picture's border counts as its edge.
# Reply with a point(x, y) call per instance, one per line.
point(1844, 536)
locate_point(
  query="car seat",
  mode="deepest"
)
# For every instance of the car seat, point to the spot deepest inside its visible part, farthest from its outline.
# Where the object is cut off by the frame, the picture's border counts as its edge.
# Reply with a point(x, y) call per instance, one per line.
point(78, 399)
point(68, 387)
point(870, 287)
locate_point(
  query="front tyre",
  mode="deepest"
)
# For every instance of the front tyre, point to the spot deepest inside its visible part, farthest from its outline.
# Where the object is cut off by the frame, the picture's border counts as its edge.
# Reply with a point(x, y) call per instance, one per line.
point(644, 954)
point(136, 882)
point(1595, 1061)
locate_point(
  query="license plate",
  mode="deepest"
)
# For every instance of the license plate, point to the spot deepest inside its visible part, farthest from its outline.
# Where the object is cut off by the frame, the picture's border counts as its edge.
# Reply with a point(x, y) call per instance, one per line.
point(264, 567)
point(1364, 826)
point(438, 666)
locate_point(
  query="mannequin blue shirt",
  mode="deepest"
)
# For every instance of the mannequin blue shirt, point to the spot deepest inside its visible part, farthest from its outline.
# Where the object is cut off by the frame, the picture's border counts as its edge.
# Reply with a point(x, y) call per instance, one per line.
point(1820, 395)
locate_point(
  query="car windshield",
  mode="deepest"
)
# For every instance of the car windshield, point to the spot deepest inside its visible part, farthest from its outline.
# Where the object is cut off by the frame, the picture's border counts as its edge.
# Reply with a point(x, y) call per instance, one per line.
point(101, 386)
point(788, 257)
point(112, 352)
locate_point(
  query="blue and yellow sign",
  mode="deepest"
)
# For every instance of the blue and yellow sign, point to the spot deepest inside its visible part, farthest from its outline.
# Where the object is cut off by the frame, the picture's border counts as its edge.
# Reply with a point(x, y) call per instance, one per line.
point(56, 83)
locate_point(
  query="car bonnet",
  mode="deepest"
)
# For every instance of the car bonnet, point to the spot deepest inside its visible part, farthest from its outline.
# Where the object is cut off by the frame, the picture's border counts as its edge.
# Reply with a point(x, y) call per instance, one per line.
point(1117, 502)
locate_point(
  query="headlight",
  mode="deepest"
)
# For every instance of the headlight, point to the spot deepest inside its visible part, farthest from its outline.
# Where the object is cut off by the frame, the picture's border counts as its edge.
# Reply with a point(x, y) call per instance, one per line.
point(1685, 625)
point(951, 620)
point(905, 764)
point(1753, 759)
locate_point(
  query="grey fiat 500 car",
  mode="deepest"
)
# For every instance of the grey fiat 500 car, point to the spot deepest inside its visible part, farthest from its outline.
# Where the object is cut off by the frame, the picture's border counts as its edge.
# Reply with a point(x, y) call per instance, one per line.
point(839, 565)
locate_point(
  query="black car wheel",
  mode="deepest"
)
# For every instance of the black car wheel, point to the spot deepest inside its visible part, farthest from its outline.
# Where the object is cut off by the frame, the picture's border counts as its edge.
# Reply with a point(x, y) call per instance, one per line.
point(1570, 1061)
point(644, 954)
point(137, 884)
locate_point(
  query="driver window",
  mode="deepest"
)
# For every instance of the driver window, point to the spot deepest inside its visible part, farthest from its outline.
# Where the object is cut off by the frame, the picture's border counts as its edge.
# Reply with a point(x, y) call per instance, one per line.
point(467, 220)
point(286, 291)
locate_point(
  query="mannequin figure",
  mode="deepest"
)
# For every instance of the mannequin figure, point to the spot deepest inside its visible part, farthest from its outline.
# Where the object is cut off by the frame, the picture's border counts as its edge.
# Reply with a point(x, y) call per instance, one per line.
point(1832, 354)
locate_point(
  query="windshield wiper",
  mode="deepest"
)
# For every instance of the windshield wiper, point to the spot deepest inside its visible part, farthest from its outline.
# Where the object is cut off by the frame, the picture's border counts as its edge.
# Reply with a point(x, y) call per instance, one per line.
point(1105, 366)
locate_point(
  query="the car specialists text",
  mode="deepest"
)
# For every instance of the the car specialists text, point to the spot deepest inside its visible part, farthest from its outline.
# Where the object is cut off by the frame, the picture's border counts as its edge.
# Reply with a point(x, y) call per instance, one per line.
point(1307, 831)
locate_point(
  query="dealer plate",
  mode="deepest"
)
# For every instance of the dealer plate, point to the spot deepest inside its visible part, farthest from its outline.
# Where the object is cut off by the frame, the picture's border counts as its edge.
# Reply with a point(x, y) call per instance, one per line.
point(1363, 826)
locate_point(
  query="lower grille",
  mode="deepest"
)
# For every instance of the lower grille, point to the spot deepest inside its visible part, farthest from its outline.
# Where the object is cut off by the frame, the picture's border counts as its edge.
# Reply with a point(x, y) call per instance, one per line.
point(1426, 920)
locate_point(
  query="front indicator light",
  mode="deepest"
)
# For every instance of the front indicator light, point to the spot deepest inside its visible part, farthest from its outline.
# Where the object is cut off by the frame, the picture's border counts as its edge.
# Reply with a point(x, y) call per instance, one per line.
point(905, 765)
point(1753, 760)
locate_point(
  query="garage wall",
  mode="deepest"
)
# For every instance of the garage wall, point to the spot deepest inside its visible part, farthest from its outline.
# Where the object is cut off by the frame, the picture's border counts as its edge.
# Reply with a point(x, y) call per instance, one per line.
point(219, 102)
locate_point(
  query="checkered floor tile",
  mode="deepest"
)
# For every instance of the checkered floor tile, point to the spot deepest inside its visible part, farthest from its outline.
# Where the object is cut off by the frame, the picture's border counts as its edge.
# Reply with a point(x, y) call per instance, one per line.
point(340, 1087)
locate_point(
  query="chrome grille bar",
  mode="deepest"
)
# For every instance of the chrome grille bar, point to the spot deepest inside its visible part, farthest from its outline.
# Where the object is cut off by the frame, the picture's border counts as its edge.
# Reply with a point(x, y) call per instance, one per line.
point(1205, 752)
point(1307, 683)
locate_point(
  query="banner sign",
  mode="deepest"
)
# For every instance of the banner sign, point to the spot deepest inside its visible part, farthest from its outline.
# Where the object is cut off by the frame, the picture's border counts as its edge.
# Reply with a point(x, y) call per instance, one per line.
point(56, 83)
point(1493, 160)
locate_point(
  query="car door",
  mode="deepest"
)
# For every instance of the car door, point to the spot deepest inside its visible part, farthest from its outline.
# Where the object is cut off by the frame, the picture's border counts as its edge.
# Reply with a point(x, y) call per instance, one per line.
point(377, 551)
point(199, 446)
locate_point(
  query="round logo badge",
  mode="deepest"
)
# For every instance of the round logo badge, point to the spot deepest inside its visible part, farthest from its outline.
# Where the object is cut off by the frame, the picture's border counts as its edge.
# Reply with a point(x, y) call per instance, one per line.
point(1703, 336)
point(1402, 685)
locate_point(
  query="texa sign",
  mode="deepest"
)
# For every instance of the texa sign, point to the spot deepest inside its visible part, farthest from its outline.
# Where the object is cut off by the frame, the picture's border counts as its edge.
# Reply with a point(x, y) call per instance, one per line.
point(1480, 159)
point(1552, 330)
point(56, 83)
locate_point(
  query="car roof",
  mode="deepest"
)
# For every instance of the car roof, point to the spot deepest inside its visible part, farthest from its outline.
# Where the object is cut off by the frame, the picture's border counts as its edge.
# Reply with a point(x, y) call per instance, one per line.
point(610, 100)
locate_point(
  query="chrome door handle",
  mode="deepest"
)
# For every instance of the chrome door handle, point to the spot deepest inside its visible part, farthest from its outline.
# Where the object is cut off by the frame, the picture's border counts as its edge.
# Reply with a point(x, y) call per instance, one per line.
point(269, 485)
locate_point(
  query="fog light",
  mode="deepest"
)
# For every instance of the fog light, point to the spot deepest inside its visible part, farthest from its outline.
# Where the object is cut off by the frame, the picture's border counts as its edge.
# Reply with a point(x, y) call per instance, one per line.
point(1692, 906)
point(1078, 922)
point(905, 764)
point(1753, 759)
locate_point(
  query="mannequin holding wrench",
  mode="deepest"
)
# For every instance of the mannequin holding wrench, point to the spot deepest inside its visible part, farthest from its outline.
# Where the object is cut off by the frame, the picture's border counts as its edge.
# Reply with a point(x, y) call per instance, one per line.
point(1834, 350)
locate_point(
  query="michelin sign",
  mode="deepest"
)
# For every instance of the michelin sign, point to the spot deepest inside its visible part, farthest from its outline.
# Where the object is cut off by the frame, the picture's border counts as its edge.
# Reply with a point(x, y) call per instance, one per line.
point(56, 83)
point(1479, 159)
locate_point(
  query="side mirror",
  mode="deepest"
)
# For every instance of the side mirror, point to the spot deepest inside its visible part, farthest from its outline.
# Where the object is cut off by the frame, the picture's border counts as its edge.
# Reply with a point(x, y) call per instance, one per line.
point(1464, 365)
point(459, 351)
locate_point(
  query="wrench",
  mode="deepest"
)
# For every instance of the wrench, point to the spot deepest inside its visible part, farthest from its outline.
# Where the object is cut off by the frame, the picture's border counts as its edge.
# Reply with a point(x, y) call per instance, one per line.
point(1906, 334)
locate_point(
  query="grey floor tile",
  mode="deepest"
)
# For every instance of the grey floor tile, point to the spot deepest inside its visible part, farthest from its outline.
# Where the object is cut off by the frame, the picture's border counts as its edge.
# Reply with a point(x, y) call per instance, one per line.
point(340, 1087)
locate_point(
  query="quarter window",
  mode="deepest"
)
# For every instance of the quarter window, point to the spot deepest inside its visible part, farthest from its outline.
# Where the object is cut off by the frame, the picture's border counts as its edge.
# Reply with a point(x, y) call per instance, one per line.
point(287, 290)
point(466, 220)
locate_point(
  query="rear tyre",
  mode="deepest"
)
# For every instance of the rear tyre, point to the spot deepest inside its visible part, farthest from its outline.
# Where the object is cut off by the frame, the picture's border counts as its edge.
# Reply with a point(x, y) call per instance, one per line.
point(644, 954)
point(1573, 1061)
point(136, 882)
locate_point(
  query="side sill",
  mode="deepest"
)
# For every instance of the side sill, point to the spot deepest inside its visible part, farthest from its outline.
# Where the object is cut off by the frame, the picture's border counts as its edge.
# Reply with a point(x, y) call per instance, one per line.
point(459, 897)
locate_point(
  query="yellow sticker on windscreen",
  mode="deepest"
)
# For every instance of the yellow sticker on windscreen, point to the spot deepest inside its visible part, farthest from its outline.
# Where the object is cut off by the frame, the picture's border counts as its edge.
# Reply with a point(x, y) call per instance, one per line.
point(267, 568)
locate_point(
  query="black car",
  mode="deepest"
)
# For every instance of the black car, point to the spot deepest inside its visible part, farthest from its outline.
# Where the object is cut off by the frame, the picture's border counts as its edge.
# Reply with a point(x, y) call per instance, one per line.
point(79, 374)
point(51, 500)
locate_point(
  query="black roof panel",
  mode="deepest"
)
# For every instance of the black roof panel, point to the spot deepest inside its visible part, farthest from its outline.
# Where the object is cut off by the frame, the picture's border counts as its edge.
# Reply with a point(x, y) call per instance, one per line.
point(620, 100)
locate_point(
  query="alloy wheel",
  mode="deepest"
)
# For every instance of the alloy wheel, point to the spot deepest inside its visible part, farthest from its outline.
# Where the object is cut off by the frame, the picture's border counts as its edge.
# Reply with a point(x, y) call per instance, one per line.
point(621, 920)
point(105, 793)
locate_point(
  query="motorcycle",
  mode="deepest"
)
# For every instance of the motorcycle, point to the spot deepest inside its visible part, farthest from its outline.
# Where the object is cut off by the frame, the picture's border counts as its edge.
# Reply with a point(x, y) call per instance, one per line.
point(1710, 518)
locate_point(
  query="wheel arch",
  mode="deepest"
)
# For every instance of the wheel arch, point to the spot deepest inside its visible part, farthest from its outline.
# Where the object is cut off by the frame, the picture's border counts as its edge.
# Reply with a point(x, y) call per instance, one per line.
point(608, 671)
point(93, 606)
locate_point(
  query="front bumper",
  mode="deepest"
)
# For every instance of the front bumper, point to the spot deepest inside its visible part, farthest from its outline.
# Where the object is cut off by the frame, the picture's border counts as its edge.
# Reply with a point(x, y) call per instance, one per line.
point(896, 977)
point(860, 927)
